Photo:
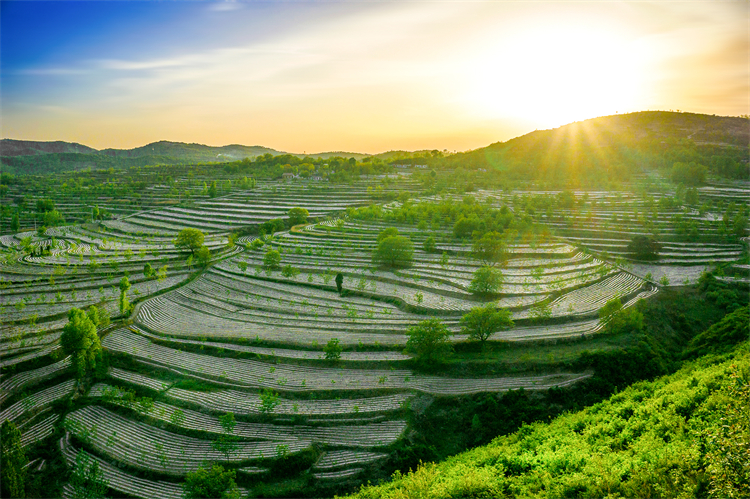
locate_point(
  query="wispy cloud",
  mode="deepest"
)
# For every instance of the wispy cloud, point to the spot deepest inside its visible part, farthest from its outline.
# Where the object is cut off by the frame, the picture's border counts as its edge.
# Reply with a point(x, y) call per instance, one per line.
point(225, 6)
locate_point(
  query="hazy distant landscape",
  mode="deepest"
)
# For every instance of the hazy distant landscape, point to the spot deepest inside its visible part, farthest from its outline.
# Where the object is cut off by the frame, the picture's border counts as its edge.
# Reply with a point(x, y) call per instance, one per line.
point(374, 250)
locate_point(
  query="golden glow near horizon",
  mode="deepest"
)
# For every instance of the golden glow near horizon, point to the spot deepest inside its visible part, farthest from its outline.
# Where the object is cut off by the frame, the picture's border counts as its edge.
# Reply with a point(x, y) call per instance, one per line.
point(373, 77)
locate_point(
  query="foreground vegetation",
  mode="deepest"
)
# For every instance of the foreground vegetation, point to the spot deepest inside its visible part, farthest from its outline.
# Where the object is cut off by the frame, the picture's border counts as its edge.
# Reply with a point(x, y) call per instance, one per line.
point(682, 435)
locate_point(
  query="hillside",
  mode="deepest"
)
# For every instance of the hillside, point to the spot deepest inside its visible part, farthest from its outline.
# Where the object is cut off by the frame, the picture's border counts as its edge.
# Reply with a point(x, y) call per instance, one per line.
point(599, 151)
point(25, 157)
point(683, 435)
point(10, 147)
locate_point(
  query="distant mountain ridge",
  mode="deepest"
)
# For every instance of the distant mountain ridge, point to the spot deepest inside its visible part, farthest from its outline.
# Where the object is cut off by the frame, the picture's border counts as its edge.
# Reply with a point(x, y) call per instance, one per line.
point(177, 150)
point(11, 147)
point(598, 135)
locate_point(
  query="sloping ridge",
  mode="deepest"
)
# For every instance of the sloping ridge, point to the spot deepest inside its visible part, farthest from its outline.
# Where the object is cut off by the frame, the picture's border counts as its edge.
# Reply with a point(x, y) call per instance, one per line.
point(12, 147)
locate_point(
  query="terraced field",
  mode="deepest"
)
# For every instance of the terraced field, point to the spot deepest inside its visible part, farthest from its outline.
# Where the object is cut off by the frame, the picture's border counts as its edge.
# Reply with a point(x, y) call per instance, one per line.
point(236, 337)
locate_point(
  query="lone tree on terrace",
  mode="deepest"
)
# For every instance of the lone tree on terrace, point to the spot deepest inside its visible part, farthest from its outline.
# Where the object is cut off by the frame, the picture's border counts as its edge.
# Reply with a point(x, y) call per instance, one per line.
point(644, 248)
point(482, 322)
point(79, 339)
point(298, 216)
point(429, 341)
point(487, 281)
point(394, 251)
point(191, 239)
point(490, 249)
point(272, 260)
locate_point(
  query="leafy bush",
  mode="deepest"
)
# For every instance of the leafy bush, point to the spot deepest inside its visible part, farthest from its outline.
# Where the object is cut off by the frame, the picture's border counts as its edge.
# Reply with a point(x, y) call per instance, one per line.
point(210, 483)
point(429, 341)
point(333, 350)
point(394, 251)
point(289, 271)
point(272, 260)
point(482, 322)
point(487, 281)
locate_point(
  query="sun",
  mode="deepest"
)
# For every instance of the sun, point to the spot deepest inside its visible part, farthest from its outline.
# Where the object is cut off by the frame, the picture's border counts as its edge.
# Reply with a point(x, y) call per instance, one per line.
point(555, 75)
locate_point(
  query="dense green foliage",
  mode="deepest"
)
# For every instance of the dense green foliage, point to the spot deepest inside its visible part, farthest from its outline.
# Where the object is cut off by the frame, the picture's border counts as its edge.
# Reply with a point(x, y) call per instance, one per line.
point(394, 251)
point(333, 350)
point(87, 479)
point(685, 435)
point(490, 249)
point(272, 259)
point(644, 247)
point(298, 216)
point(211, 483)
point(191, 239)
point(721, 337)
point(79, 339)
point(652, 336)
point(12, 472)
point(486, 281)
point(482, 322)
point(429, 341)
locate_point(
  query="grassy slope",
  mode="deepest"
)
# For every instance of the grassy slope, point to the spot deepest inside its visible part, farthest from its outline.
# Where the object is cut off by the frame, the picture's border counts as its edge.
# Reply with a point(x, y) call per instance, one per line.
point(682, 435)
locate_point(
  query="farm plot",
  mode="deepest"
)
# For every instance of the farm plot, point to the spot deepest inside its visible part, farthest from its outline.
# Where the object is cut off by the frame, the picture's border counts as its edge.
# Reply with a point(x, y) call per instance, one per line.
point(297, 378)
point(38, 400)
point(368, 435)
point(119, 480)
point(145, 447)
point(588, 300)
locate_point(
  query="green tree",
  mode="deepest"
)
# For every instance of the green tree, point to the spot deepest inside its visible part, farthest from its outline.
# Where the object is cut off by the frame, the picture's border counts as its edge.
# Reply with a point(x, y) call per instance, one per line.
point(691, 174)
point(429, 245)
point(211, 483)
point(482, 322)
point(626, 320)
point(298, 216)
point(14, 223)
point(610, 308)
point(644, 247)
point(148, 271)
point(389, 232)
point(13, 473)
point(268, 401)
point(487, 281)
point(289, 271)
point(98, 315)
point(79, 340)
point(339, 282)
point(429, 341)
point(204, 255)
point(124, 287)
point(272, 260)
point(52, 218)
point(227, 422)
point(87, 479)
point(333, 350)
point(191, 239)
point(394, 251)
point(490, 249)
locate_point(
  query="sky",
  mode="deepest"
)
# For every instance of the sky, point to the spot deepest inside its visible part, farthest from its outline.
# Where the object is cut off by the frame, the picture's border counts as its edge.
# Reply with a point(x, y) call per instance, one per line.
point(358, 76)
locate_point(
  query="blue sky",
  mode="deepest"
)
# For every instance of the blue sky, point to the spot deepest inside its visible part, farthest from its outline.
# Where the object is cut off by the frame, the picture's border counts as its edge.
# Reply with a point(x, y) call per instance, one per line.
point(364, 76)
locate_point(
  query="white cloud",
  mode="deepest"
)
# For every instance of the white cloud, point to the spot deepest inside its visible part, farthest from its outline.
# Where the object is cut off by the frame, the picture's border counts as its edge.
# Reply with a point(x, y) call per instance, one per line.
point(225, 6)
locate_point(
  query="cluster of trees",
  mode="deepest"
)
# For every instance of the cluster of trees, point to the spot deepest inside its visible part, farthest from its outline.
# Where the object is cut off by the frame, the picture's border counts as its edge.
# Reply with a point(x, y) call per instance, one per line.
point(429, 340)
